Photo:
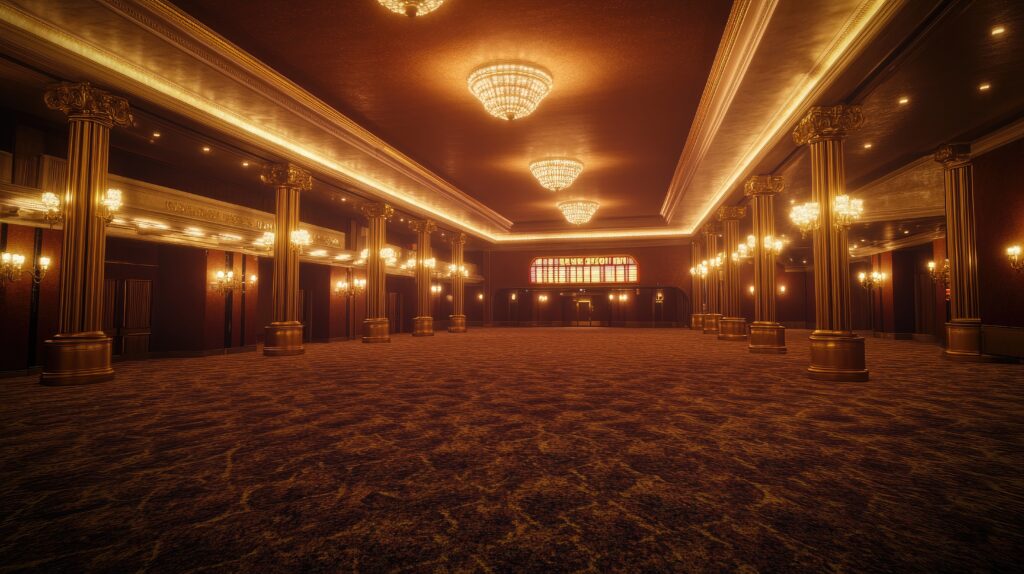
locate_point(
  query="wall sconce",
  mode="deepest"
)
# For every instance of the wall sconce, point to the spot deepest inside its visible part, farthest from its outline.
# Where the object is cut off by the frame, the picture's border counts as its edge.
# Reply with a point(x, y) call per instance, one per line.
point(659, 297)
point(300, 239)
point(111, 204)
point(51, 203)
point(12, 266)
point(751, 290)
point(454, 270)
point(623, 297)
point(872, 280)
point(700, 270)
point(542, 298)
point(805, 217)
point(847, 210)
point(436, 289)
point(1013, 254)
point(479, 296)
point(350, 289)
point(782, 289)
point(939, 274)
point(224, 282)
point(252, 279)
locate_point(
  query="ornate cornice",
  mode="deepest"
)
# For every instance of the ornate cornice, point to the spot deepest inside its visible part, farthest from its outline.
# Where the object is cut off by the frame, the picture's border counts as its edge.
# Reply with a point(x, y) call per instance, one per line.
point(827, 122)
point(730, 212)
point(764, 185)
point(953, 155)
point(422, 225)
point(286, 175)
point(84, 102)
point(374, 210)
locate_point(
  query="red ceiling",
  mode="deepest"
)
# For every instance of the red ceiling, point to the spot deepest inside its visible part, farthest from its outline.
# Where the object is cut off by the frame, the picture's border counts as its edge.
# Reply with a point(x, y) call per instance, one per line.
point(628, 79)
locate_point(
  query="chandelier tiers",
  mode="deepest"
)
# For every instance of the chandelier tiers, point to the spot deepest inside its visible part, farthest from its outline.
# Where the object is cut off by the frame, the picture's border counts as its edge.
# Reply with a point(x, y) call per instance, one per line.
point(578, 211)
point(556, 174)
point(847, 210)
point(510, 90)
point(806, 217)
point(412, 8)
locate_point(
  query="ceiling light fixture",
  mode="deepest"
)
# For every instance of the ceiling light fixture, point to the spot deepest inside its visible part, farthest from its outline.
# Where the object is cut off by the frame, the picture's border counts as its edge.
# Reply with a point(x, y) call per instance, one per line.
point(868, 146)
point(510, 90)
point(411, 8)
point(904, 100)
point(578, 211)
point(984, 87)
point(556, 173)
point(998, 30)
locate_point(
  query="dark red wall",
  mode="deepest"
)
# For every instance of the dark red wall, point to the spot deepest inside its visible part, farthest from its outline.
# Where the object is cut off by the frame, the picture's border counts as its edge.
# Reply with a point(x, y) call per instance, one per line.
point(20, 346)
point(999, 215)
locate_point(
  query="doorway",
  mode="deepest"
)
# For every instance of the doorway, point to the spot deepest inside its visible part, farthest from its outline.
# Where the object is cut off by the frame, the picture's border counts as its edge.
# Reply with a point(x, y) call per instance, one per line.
point(584, 313)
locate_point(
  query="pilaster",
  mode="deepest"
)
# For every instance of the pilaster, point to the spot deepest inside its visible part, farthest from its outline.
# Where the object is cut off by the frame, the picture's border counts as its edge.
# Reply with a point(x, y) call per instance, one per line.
point(457, 321)
point(766, 334)
point(375, 326)
point(423, 323)
point(713, 281)
point(731, 327)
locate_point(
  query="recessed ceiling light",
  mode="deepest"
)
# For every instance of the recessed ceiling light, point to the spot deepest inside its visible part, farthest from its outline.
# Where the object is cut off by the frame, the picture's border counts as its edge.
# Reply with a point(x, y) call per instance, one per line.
point(156, 134)
point(804, 260)
point(868, 145)
point(997, 30)
point(206, 149)
point(862, 240)
point(904, 100)
point(906, 232)
point(245, 164)
point(344, 199)
point(984, 87)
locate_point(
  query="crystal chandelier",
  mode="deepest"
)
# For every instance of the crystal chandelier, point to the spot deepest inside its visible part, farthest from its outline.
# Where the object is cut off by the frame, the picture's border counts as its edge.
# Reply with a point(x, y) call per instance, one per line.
point(510, 90)
point(557, 173)
point(847, 210)
point(805, 217)
point(411, 8)
point(578, 211)
point(300, 239)
point(52, 205)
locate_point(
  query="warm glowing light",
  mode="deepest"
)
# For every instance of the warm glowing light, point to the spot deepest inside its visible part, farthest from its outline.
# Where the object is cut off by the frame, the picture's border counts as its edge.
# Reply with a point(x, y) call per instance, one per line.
point(984, 87)
point(578, 211)
point(206, 149)
point(513, 297)
point(868, 145)
point(542, 298)
point(412, 8)
point(266, 241)
point(556, 174)
point(224, 282)
point(904, 100)
point(847, 210)
point(480, 296)
point(805, 217)
point(194, 232)
point(872, 280)
point(156, 134)
point(430, 263)
point(388, 253)
point(751, 289)
point(510, 90)
point(51, 203)
point(435, 289)
point(253, 279)
point(300, 238)
point(998, 30)
point(611, 296)
point(245, 164)
point(343, 257)
point(1013, 254)
point(782, 289)
point(318, 253)
point(111, 203)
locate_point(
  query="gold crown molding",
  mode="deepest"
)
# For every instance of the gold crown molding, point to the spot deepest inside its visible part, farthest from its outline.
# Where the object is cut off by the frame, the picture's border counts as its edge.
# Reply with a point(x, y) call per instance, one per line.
point(287, 175)
point(827, 123)
point(82, 101)
point(727, 212)
point(764, 185)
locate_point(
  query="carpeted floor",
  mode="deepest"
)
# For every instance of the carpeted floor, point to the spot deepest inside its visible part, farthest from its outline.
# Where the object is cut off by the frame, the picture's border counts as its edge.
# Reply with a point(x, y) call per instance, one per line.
point(518, 450)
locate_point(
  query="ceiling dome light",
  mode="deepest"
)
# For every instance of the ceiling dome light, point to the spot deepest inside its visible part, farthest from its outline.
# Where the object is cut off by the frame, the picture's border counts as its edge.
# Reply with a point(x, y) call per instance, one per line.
point(510, 90)
point(578, 211)
point(556, 173)
point(412, 8)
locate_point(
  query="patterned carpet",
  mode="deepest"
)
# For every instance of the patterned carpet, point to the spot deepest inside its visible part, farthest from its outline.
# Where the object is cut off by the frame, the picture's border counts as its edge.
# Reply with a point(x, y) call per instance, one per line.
point(518, 450)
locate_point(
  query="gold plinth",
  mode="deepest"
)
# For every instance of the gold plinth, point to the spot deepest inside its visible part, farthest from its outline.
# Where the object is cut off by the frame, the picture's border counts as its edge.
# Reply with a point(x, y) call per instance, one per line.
point(767, 338)
point(710, 325)
point(732, 329)
point(697, 321)
point(422, 326)
point(283, 338)
point(77, 359)
point(963, 342)
point(837, 356)
point(456, 323)
point(376, 330)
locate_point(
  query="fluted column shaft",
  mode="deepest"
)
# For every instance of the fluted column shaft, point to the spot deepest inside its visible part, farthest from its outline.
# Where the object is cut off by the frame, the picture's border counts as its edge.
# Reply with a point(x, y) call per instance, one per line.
point(713, 281)
point(836, 353)
point(731, 288)
point(375, 326)
point(697, 287)
point(762, 192)
point(457, 322)
point(81, 352)
point(423, 323)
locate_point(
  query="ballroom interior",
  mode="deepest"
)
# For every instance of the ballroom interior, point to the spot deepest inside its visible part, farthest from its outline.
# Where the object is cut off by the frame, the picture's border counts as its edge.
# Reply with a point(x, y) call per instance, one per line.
point(518, 286)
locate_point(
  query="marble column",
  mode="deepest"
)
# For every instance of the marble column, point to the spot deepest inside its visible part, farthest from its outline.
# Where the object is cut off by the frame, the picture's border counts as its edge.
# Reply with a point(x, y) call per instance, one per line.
point(713, 281)
point(284, 333)
point(697, 287)
point(80, 352)
point(423, 323)
point(963, 332)
point(837, 354)
point(457, 321)
point(732, 326)
point(375, 326)
point(766, 334)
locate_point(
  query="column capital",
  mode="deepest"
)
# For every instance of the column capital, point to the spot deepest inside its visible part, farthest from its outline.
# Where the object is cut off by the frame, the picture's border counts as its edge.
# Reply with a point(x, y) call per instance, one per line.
point(286, 175)
point(953, 155)
point(422, 225)
point(458, 238)
point(372, 210)
point(82, 101)
point(731, 212)
point(710, 228)
point(764, 185)
point(827, 123)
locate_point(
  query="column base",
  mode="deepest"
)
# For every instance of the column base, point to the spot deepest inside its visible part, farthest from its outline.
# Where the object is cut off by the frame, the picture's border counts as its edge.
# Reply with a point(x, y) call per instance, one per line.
point(376, 330)
point(697, 321)
point(963, 342)
point(767, 338)
point(77, 359)
point(422, 326)
point(732, 329)
point(837, 356)
point(283, 338)
point(710, 325)
point(456, 323)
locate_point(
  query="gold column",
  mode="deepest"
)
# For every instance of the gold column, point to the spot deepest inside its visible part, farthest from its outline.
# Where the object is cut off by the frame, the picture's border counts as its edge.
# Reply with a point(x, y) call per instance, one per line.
point(457, 322)
point(731, 327)
point(697, 283)
point(80, 352)
point(963, 332)
point(375, 326)
point(284, 333)
point(766, 334)
point(713, 282)
point(836, 353)
point(423, 323)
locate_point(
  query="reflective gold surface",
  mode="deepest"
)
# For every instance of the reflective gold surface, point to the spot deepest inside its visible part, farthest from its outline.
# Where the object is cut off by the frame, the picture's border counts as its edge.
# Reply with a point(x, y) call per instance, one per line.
point(423, 327)
point(457, 324)
point(457, 319)
point(376, 331)
point(77, 359)
point(375, 326)
point(283, 338)
point(767, 338)
point(837, 356)
point(710, 325)
point(697, 321)
point(732, 329)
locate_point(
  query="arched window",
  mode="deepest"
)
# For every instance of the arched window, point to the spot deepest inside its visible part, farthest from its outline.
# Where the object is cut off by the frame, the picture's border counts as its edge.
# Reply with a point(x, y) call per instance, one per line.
point(584, 270)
